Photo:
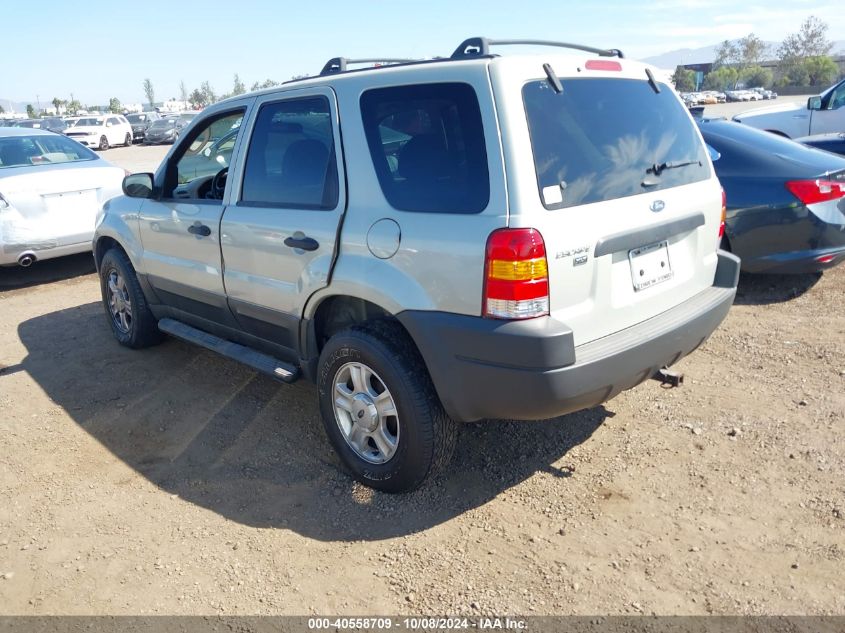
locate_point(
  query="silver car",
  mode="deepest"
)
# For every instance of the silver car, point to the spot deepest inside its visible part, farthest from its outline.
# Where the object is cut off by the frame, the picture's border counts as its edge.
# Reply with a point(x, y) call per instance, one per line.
point(51, 189)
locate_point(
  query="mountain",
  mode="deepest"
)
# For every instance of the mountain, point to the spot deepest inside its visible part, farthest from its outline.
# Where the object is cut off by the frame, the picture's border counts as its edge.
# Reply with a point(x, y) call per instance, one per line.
point(14, 106)
point(707, 54)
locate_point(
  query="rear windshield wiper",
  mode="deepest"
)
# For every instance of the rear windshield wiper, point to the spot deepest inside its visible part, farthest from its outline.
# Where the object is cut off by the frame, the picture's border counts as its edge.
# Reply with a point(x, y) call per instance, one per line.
point(658, 168)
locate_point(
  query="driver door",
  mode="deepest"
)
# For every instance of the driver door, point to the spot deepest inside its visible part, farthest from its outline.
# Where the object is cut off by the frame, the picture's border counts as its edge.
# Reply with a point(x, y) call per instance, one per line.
point(180, 230)
point(831, 118)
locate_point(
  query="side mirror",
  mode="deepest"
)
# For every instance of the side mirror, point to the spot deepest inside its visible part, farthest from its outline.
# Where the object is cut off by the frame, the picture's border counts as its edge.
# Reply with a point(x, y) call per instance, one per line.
point(814, 103)
point(138, 185)
point(714, 155)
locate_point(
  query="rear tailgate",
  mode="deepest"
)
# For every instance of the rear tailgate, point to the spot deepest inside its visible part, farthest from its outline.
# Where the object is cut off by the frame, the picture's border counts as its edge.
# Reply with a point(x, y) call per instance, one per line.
point(617, 180)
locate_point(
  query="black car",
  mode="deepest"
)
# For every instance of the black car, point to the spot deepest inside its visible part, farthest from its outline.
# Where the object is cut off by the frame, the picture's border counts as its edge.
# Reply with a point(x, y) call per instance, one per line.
point(51, 124)
point(140, 122)
point(164, 130)
point(785, 201)
point(834, 142)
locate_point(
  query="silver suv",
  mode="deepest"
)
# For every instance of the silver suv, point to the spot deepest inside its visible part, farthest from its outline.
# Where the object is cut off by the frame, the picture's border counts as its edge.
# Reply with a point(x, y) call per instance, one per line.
point(431, 242)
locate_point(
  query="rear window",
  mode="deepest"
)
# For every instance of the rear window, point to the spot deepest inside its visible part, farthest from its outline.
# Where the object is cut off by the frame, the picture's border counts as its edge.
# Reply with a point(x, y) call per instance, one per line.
point(601, 138)
point(26, 151)
point(427, 147)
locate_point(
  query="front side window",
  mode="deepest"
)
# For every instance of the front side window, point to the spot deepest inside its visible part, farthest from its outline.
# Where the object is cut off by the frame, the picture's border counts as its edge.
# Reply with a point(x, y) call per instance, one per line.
point(291, 157)
point(427, 146)
point(602, 139)
point(198, 174)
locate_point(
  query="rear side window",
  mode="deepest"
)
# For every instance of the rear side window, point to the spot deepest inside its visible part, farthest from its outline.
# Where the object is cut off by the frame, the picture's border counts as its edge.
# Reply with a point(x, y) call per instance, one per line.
point(600, 139)
point(427, 147)
point(291, 158)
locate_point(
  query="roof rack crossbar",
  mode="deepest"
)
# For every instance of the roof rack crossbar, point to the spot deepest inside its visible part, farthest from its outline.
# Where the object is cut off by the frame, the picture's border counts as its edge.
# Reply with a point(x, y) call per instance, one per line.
point(480, 46)
point(339, 64)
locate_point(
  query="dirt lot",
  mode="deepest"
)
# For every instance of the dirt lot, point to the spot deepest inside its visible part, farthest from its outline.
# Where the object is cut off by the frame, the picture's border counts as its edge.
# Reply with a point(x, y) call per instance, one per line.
point(172, 481)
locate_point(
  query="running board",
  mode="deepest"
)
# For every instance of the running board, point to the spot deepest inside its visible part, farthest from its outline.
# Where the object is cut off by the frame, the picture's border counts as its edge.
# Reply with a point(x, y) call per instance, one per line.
point(273, 367)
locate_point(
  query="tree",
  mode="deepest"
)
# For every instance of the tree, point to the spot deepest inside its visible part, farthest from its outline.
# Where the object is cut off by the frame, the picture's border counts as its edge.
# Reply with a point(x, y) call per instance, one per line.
point(207, 93)
point(58, 103)
point(727, 53)
point(821, 70)
point(183, 92)
point(114, 105)
point(723, 78)
point(30, 111)
point(267, 83)
point(2, 109)
point(683, 79)
point(149, 92)
point(797, 49)
point(238, 88)
point(752, 50)
point(756, 76)
point(73, 106)
point(197, 99)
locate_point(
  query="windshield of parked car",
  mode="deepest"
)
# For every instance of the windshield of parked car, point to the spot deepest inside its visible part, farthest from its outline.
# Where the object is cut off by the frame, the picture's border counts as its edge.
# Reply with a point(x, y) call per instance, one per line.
point(600, 139)
point(26, 151)
point(137, 118)
point(162, 124)
point(91, 121)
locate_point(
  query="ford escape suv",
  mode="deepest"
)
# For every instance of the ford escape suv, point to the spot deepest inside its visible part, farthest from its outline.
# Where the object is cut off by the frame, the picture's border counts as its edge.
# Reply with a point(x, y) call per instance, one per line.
point(432, 242)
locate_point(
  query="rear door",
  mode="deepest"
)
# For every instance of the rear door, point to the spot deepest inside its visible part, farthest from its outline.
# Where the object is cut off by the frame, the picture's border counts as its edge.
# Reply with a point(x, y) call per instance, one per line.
point(181, 230)
point(280, 230)
point(615, 176)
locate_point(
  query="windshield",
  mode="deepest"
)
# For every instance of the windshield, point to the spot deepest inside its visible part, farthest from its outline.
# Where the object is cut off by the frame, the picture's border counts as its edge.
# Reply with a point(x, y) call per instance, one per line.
point(26, 151)
point(602, 139)
point(137, 118)
point(91, 121)
point(162, 124)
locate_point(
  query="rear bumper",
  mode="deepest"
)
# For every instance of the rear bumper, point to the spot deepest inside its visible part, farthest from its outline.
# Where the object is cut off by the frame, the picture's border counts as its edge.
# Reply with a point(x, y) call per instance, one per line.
point(530, 370)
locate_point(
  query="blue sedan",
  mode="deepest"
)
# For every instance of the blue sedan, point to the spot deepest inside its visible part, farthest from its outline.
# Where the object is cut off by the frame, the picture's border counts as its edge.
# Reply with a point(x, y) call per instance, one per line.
point(785, 201)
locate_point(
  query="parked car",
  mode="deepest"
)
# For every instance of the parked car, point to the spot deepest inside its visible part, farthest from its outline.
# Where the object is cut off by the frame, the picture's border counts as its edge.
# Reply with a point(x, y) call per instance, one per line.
point(51, 124)
point(102, 131)
point(822, 114)
point(828, 142)
point(51, 189)
point(164, 130)
point(486, 237)
point(785, 201)
point(140, 122)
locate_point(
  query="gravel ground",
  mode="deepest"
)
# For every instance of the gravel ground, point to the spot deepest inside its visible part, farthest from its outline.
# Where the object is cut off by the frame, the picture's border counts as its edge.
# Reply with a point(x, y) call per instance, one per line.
point(173, 481)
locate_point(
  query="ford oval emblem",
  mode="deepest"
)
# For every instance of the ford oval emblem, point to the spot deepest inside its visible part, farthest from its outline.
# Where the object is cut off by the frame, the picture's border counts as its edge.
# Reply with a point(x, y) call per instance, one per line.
point(657, 206)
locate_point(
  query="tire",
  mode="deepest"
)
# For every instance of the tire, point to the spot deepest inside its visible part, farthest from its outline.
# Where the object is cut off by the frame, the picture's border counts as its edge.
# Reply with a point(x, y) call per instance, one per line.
point(104, 143)
point(424, 435)
point(120, 289)
point(128, 141)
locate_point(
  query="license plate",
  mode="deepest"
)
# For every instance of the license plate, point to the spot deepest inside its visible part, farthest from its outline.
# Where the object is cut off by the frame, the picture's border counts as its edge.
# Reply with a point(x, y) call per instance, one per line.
point(650, 265)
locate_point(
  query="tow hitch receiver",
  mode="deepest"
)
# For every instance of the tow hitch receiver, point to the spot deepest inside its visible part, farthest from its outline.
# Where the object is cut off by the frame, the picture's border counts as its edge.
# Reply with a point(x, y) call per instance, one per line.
point(668, 377)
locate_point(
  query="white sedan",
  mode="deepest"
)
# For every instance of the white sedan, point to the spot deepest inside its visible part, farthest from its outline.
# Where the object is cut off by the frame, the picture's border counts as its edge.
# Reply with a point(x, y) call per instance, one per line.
point(51, 190)
point(101, 132)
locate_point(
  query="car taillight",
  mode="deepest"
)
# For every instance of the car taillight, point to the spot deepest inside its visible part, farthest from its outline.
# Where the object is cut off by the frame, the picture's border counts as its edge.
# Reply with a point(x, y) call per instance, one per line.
point(815, 191)
point(602, 64)
point(724, 214)
point(516, 283)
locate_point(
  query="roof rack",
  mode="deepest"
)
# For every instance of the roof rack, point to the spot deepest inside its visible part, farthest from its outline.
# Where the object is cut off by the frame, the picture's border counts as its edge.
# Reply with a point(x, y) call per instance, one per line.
point(480, 46)
point(339, 64)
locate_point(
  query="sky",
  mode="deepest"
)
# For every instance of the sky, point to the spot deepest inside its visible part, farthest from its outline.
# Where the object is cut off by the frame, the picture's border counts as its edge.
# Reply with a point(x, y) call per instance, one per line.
point(101, 49)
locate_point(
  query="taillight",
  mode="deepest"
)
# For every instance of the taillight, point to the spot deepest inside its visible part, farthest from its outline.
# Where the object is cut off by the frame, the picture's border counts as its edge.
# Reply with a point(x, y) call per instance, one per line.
point(516, 283)
point(724, 215)
point(602, 64)
point(814, 191)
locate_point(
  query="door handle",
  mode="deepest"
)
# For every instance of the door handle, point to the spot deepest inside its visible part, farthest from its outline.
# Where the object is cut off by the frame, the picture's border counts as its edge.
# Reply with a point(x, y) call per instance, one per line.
point(199, 229)
point(305, 243)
